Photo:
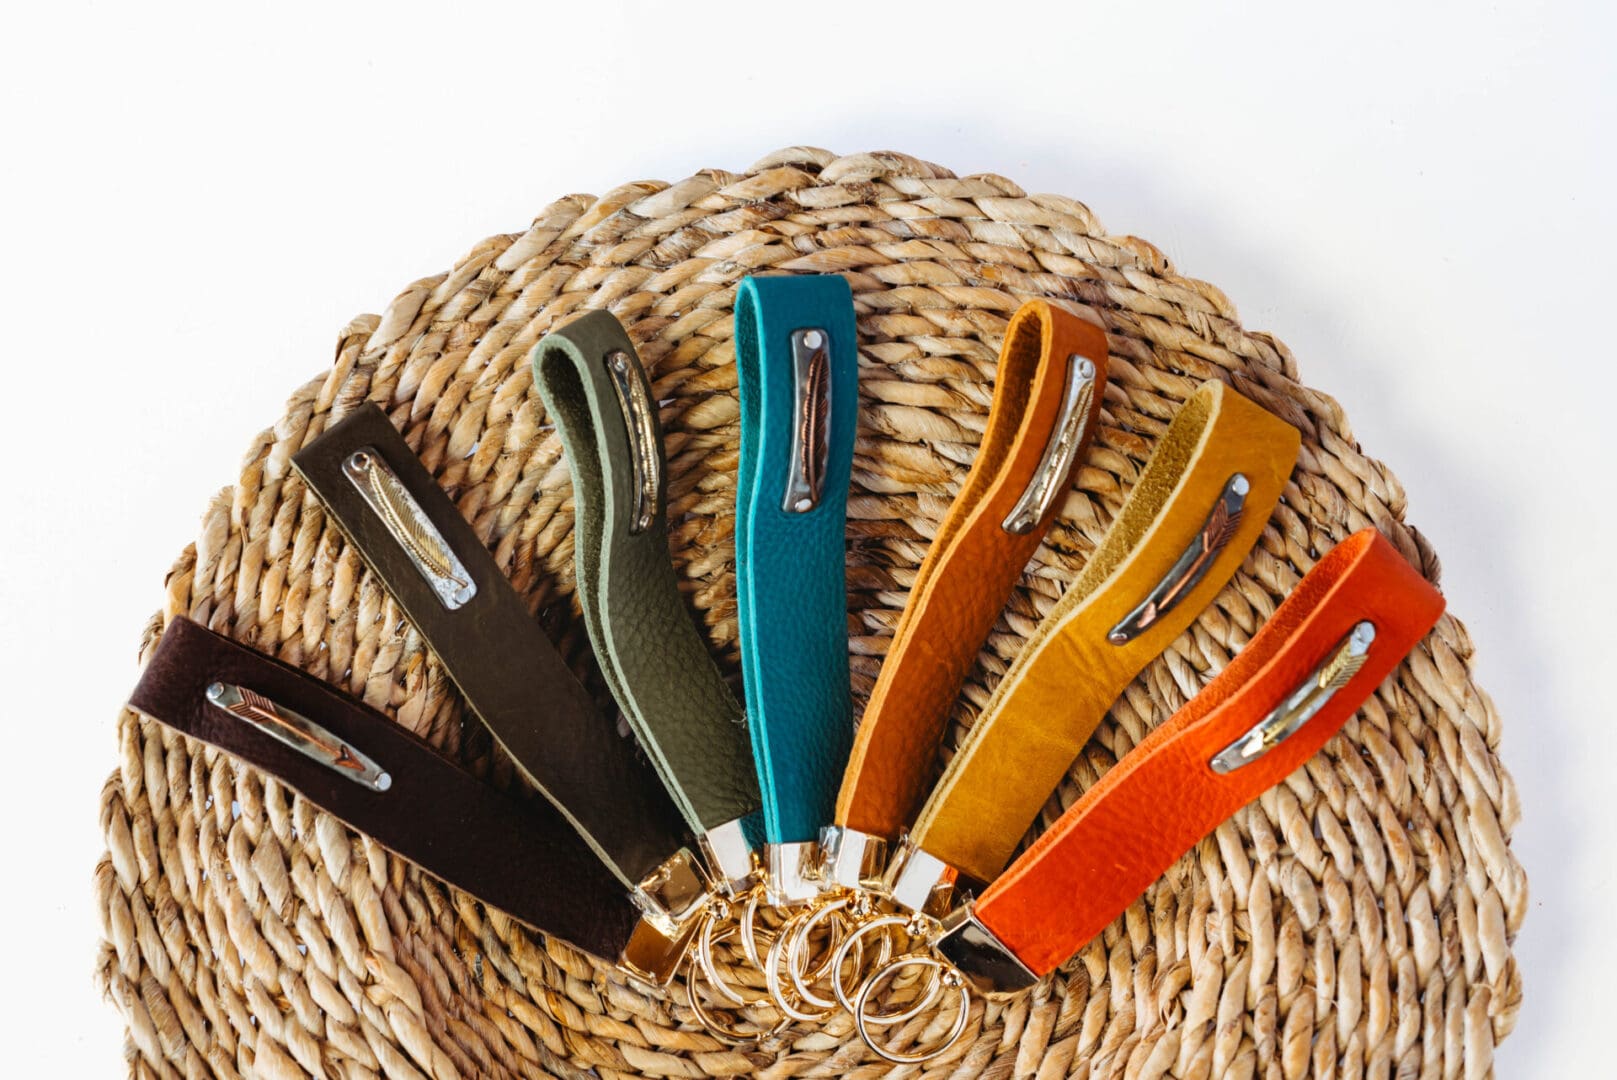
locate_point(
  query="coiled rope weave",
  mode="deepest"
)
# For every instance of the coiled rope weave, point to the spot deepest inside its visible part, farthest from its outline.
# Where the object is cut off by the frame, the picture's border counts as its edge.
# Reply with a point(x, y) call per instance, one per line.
point(1356, 921)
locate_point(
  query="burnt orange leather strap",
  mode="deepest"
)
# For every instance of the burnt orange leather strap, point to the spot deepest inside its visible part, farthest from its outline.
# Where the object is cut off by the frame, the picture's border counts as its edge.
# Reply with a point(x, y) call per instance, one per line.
point(1168, 793)
point(1187, 525)
point(1047, 398)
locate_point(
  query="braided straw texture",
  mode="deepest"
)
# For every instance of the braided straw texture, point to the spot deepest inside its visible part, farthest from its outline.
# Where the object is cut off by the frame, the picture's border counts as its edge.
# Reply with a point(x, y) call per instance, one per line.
point(1356, 921)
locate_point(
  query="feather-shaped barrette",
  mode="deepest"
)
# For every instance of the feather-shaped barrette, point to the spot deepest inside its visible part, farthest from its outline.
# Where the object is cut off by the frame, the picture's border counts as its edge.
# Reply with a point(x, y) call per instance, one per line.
point(1300, 706)
point(639, 414)
point(300, 733)
point(811, 416)
point(1055, 464)
point(416, 534)
point(1215, 534)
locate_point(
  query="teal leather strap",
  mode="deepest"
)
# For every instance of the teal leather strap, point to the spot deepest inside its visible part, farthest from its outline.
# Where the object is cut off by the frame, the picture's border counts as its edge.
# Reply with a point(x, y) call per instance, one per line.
point(797, 353)
point(655, 661)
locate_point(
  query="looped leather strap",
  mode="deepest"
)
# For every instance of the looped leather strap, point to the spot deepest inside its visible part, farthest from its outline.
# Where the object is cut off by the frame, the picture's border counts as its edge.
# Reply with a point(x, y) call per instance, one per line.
point(1189, 522)
point(654, 659)
point(515, 854)
point(408, 532)
point(1047, 400)
point(1351, 621)
point(796, 352)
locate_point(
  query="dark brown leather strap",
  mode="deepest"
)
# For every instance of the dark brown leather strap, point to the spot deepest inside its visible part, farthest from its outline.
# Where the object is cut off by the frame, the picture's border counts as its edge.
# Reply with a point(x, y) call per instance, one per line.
point(514, 854)
point(494, 650)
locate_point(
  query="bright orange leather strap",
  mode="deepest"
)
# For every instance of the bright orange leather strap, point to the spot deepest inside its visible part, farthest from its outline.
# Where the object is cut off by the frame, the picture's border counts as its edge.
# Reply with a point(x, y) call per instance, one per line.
point(973, 564)
point(1070, 671)
point(1164, 797)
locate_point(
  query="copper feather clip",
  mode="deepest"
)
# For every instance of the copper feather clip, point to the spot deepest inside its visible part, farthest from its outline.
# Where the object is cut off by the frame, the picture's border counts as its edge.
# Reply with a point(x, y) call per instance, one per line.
point(1213, 537)
point(811, 420)
point(300, 733)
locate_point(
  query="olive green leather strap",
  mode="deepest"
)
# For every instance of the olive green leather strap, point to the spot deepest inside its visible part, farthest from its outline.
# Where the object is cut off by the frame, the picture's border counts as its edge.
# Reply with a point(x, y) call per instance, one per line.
point(654, 658)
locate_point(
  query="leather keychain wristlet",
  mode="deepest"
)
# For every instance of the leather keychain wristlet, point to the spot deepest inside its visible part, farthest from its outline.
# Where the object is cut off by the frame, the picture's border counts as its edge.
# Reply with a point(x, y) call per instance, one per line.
point(1047, 398)
point(797, 359)
point(1186, 526)
point(518, 855)
point(410, 534)
point(661, 673)
point(1342, 631)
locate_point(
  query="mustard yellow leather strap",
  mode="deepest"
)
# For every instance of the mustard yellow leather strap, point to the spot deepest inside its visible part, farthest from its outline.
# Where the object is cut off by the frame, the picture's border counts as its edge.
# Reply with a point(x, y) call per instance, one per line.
point(1188, 524)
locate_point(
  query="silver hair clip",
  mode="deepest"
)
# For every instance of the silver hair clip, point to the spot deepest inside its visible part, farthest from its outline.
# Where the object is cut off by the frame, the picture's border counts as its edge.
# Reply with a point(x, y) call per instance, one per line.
point(300, 733)
point(645, 463)
point(1307, 700)
point(391, 501)
point(1060, 452)
point(1215, 533)
point(811, 419)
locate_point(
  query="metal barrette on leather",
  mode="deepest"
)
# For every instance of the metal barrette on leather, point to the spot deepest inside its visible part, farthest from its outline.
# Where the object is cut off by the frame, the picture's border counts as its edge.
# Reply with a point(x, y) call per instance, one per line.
point(1215, 534)
point(811, 419)
point(1066, 440)
point(645, 443)
point(1311, 695)
point(416, 535)
point(300, 733)
point(1188, 775)
point(413, 538)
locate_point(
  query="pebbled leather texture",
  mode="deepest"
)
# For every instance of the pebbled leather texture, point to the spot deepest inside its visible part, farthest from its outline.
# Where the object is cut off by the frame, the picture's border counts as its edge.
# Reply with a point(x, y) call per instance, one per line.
point(1069, 673)
point(1163, 798)
point(655, 660)
point(510, 673)
point(791, 591)
point(511, 853)
point(973, 564)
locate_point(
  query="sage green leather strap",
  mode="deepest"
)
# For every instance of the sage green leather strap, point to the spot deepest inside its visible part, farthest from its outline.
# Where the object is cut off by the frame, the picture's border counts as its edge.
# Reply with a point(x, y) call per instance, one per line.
point(654, 658)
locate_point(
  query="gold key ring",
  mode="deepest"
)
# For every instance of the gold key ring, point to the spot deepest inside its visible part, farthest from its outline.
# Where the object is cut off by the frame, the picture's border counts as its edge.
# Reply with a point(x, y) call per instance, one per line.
point(910, 924)
point(802, 978)
point(749, 932)
point(777, 990)
point(947, 978)
point(716, 928)
point(730, 1035)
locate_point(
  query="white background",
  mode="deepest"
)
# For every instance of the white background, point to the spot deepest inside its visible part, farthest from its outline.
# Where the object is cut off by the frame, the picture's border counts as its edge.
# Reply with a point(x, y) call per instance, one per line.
point(1417, 198)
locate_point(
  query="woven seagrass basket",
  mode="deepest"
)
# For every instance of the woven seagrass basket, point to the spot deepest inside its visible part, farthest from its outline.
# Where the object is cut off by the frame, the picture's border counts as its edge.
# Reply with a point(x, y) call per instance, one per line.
point(1356, 921)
